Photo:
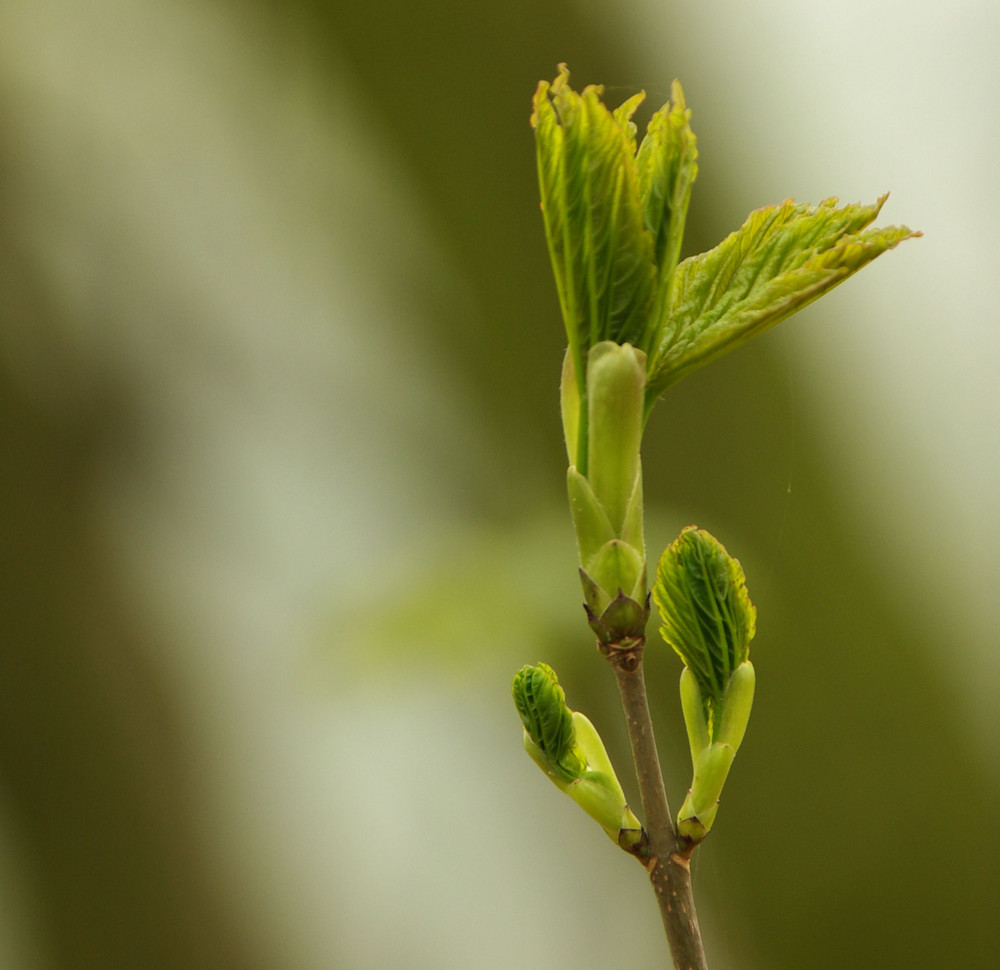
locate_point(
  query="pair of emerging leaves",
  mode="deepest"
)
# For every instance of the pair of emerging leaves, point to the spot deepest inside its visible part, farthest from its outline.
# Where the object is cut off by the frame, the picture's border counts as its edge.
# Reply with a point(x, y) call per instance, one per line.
point(614, 217)
point(708, 619)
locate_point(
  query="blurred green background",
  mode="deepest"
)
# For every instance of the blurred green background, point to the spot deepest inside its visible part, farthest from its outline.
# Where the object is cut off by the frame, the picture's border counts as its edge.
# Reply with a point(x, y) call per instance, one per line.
point(282, 489)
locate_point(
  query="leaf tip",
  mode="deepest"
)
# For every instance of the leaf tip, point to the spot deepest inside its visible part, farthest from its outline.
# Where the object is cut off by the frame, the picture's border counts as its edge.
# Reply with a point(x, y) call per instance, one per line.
point(677, 94)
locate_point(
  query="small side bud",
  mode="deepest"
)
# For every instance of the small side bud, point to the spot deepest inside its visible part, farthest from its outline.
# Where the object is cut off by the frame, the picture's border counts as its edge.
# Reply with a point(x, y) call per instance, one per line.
point(709, 620)
point(567, 747)
point(620, 623)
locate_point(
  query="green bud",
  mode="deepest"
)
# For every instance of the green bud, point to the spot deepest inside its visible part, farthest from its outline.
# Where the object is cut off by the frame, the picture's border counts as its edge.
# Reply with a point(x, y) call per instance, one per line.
point(713, 759)
point(709, 620)
point(567, 747)
point(623, 619)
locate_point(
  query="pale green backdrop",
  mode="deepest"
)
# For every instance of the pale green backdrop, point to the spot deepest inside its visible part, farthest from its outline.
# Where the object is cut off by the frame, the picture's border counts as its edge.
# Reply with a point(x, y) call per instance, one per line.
point(282, 476)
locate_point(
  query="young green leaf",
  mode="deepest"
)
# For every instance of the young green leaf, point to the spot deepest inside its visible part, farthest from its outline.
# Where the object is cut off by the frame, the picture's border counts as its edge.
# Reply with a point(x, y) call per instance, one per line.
point(601, 254)
point(667, 163)
point(781, 259)
point(548, 722)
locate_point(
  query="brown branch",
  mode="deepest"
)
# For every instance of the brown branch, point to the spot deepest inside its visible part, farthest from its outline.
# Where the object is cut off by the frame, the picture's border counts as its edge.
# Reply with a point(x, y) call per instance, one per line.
point(668, 861)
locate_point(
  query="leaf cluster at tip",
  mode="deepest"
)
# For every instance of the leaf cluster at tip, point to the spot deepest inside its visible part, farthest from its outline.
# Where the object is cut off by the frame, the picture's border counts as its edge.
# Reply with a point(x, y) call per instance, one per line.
point(705, 609)
point(614, 213)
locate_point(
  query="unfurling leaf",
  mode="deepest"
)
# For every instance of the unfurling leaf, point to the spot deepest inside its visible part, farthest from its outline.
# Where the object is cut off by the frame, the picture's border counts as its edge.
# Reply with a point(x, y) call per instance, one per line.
point(548, 722)
point(601, 254)
point(667, 161)
point(781, 259)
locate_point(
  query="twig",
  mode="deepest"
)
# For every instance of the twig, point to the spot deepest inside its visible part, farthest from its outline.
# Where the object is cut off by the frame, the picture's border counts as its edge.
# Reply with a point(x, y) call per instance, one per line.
point(668, 863)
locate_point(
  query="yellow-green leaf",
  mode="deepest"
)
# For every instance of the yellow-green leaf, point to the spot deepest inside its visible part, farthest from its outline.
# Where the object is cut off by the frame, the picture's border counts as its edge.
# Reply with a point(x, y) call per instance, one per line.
point(601, 253)
point(667, 163)
point(781, 259)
